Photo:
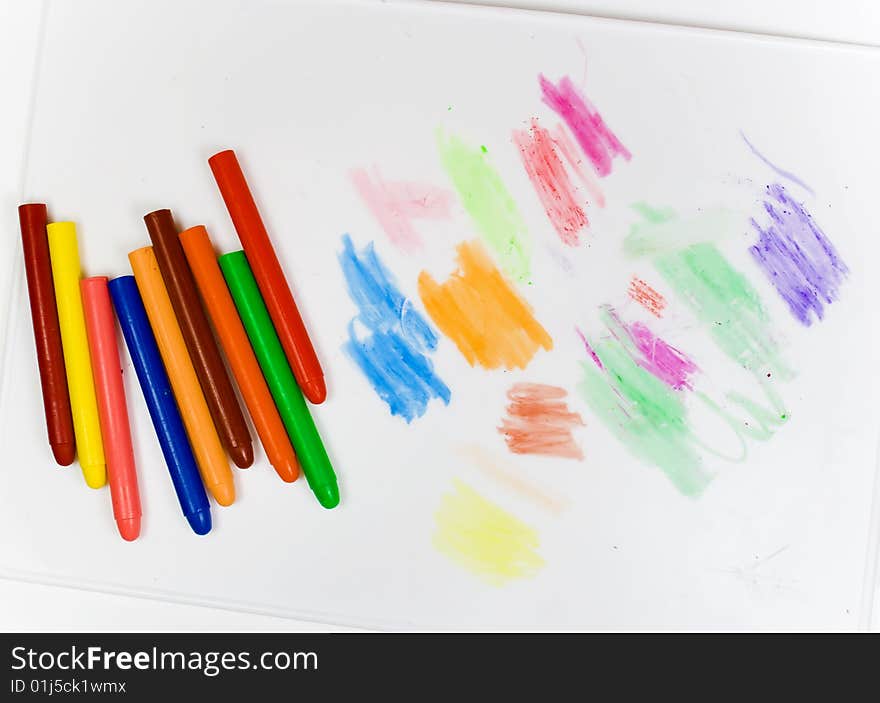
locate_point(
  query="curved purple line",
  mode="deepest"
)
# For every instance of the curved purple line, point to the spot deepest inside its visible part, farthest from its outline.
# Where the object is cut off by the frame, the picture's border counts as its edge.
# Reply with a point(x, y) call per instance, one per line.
point(782, 172)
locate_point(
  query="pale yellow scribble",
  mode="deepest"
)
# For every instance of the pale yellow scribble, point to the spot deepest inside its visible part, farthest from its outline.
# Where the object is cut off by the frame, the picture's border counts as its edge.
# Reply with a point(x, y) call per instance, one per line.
point(485, 539)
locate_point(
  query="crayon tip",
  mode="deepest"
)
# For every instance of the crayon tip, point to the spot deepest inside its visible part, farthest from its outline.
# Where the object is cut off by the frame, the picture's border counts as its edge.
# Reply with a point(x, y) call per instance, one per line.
point(224, 493)
point(288, 470)
point(315, 390)
point(242, 455)
point(200, 521)
point(95, 475)
point(129, 528)
point(65, 453)
point(327, 494)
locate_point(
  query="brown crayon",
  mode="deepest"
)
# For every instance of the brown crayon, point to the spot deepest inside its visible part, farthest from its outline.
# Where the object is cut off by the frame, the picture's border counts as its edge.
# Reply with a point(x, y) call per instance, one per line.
point(200, 343)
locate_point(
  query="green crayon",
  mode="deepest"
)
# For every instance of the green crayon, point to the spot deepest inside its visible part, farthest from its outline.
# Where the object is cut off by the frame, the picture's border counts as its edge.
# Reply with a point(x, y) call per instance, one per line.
point(288, 397)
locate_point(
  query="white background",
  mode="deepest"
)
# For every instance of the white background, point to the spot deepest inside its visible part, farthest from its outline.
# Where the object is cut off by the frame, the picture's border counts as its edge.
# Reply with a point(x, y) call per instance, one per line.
point(24, 606)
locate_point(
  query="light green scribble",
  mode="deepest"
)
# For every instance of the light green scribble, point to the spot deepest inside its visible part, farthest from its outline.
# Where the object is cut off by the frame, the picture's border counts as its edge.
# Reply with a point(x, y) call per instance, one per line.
point(489, 204)
point(662, 232)
point(645, 414)
point(727, 304)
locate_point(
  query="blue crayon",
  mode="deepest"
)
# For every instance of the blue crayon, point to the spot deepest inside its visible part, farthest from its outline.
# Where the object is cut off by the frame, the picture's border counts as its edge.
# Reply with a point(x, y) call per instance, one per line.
point(160, 401)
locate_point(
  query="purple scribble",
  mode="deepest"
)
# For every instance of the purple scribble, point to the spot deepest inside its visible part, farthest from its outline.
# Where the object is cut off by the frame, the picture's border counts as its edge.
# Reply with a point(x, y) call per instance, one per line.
point(663, 360)
point(590, 351)
point(788, 175)
point(797, 257)
point(599, 143)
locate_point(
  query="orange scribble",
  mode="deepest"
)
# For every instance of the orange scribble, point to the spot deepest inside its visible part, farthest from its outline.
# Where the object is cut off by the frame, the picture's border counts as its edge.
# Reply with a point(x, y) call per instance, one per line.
point(479, 310)
point(539, 422)
point(646, 296)
point(508, 477)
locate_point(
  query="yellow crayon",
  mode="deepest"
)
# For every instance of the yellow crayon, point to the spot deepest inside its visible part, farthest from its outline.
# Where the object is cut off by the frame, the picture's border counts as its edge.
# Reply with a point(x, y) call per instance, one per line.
point(64, 255)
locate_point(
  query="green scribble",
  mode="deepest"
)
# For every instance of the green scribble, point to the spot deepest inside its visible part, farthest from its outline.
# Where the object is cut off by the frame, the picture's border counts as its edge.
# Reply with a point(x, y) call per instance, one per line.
point(662, 232)
point(726, 303)
point(758, 422)
point(645, 414)
point(654, 215)
point(489, 204)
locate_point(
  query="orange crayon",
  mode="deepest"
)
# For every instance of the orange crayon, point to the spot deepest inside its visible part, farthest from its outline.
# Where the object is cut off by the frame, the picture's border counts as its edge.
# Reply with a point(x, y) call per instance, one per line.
point(237, 347)
point(200, 429)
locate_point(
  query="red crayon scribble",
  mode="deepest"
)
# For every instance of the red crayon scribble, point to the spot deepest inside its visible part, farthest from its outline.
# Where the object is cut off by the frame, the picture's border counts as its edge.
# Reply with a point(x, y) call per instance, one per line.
point(646, 296)
point(597, 140)
point(539, 422)
point(395, 204)
point(570, 154)
point(551, 182)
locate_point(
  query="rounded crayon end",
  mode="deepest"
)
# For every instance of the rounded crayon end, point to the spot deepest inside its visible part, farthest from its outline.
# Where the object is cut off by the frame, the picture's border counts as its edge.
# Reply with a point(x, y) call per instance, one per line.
point(315, 390)
point(224, 493)
point(65, 453)
point(200, 521)
point(95, 475)
point(242, 455)
point(327, 495)
point(288, 470)
point(129, 528)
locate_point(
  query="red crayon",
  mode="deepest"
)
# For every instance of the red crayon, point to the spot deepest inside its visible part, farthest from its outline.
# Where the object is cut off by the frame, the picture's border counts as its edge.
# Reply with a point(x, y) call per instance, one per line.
point(270, 277)
point(47, 332)
point(112, 413)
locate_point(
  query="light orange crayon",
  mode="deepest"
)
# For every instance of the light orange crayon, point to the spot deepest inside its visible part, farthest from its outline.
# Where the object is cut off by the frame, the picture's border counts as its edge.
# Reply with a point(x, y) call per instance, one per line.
point(200, 429)
point(237, 347)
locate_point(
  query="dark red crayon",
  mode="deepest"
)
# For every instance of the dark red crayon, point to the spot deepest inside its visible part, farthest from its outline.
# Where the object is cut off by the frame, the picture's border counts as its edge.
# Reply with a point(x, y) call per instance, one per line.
point(47, 333)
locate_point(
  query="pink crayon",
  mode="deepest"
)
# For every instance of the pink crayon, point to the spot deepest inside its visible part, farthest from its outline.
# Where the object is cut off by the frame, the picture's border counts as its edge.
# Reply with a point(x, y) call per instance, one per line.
point(112, 412)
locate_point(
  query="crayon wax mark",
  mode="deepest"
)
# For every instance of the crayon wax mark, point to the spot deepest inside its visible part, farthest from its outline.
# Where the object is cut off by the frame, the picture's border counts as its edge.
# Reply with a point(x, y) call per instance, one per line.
point(481, 312)
point(645, 414)
point(598, 142)
point(788, 175)
point(796, 257)
point(551, 182)
point(489, 204)
point(485, 539)
point(396, 204)
point(652, 353)
point(539, 422)
point(569, 153)
point(646, 296)
point(393, 354)
point(508, 477)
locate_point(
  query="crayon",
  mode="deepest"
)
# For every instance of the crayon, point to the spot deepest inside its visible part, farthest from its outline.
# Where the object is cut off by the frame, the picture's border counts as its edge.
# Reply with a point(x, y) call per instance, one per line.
point(213, 378)
point(288, 397)
point(215, 295)
point(115, 430)
point(64, 255)
point(270, 277)
point(196, 418)
point(163, 410)
point(47, 332)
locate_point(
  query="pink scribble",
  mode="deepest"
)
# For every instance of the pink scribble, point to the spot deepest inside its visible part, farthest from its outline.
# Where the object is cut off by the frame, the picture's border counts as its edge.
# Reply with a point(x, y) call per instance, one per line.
point(395, 204)
point(598, 142)
point(663, 360)
point(569, 152)
point(552, 184)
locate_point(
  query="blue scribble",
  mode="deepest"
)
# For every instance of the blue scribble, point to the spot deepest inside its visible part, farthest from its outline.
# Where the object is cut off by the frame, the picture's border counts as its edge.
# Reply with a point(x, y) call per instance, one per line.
point(393, 352)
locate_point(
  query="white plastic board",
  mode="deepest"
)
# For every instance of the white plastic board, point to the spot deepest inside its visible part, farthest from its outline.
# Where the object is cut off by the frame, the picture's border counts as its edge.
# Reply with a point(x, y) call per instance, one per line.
point(125, 119)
